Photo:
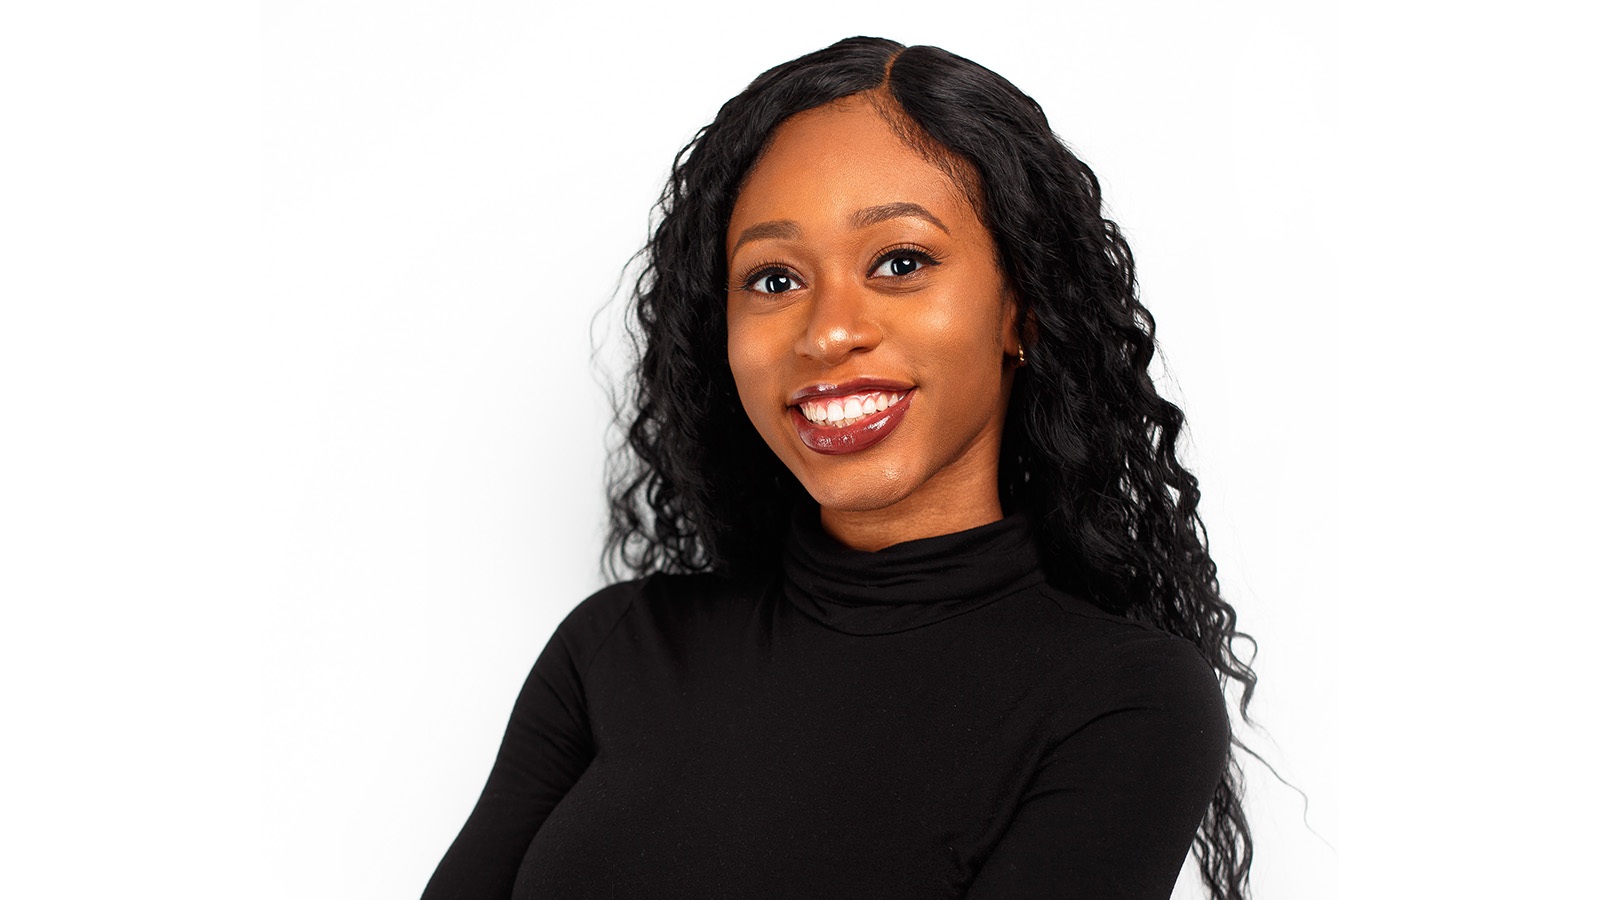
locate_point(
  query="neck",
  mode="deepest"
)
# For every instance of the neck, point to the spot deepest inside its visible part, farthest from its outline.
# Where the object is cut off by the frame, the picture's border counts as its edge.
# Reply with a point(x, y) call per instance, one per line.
point(929, 512)
point(910, 584)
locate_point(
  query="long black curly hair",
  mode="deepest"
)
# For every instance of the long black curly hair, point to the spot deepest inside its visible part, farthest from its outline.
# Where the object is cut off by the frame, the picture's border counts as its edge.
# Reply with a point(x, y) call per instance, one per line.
point(1090, 447)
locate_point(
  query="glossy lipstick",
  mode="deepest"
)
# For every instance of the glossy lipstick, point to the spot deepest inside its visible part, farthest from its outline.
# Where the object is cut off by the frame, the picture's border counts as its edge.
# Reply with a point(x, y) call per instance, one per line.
point(834, 440)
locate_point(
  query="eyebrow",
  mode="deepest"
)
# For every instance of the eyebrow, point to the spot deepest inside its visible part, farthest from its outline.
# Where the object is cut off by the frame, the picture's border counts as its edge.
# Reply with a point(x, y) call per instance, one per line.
point(872, 215)
point(786, 229)
point(789, 229)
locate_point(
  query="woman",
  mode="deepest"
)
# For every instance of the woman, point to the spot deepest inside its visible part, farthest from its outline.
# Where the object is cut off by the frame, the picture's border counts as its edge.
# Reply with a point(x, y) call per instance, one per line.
point(926, 609)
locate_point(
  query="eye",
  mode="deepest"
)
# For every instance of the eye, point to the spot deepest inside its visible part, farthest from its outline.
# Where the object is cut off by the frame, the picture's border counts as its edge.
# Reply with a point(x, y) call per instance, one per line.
point(771, 281)
point(774, 284)
point(902, 262)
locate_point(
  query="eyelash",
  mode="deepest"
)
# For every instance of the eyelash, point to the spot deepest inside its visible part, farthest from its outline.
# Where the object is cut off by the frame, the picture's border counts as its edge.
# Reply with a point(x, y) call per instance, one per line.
point(906, 250)
point(762, 270)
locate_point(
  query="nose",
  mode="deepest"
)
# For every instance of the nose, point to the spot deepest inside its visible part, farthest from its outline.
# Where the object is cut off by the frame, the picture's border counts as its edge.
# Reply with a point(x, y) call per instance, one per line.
point(841, 323)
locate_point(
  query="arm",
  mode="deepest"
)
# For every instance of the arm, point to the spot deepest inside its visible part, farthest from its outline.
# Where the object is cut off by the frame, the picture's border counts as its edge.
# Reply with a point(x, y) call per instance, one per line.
point(1114, 804)
point(546, 748)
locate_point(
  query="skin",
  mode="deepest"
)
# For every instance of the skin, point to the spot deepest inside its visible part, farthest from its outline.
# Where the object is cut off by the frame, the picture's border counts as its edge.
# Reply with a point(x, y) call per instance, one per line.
point(860, 302)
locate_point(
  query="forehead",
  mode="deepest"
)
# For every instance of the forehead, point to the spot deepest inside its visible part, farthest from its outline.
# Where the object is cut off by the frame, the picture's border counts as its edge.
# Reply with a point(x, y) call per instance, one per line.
point(826, 163)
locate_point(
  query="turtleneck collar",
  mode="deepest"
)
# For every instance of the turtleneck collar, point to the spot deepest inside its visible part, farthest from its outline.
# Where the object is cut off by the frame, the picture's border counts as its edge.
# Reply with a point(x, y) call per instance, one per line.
point(906, 585)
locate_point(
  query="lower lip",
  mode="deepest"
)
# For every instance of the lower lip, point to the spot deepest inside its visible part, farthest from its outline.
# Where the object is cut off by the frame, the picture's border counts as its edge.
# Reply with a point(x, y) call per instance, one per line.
point(836, 440)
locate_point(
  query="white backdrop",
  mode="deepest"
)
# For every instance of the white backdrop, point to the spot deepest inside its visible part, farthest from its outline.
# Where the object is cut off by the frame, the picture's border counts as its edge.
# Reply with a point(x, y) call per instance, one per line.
point(303, 431)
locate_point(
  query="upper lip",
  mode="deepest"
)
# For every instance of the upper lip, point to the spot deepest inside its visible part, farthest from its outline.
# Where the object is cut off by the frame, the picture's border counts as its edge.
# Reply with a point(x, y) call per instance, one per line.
point(849, 386)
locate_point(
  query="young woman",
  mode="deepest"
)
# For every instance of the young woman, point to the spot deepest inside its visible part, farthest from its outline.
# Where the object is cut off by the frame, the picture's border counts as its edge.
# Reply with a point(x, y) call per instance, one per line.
point(921, 606)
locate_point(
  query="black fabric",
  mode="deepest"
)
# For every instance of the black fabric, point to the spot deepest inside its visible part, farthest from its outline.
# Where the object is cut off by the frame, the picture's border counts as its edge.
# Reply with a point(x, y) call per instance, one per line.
point(929, 721)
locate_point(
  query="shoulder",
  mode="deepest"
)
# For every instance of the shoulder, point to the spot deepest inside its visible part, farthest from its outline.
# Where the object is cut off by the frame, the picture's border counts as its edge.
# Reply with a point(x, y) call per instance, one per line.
point(600, 611)
point(657, 597)
point(1132, 667)
point(587, 626)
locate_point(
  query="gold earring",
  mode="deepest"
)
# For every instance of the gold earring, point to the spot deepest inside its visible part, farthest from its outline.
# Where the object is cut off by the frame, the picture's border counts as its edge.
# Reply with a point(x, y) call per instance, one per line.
point(1022, 356)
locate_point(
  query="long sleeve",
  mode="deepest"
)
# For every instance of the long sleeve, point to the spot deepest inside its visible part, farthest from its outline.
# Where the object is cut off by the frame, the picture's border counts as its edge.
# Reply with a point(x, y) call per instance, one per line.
point(547, 746)
point(931, 720)
point(1114, 805)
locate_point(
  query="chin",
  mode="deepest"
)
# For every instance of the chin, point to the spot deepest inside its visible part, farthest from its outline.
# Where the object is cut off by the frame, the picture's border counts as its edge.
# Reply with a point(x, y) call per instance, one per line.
point(855, 493)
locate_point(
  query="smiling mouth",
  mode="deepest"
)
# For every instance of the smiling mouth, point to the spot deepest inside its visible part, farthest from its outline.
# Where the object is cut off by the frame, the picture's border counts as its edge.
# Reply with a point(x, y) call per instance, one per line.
point(841, 423)
point(847, 410)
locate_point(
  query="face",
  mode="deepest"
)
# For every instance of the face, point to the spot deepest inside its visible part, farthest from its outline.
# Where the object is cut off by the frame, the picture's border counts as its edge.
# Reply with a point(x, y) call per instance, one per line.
point(869, 327)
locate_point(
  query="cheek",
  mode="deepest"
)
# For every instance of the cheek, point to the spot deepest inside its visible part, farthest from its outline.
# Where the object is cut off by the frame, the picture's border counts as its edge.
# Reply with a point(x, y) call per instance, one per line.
point(746, 360)
point(738, 348)
point(965, 333)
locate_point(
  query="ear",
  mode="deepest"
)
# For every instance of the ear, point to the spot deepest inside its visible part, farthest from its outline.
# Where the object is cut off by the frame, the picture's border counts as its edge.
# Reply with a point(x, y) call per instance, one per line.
point(1022, 327)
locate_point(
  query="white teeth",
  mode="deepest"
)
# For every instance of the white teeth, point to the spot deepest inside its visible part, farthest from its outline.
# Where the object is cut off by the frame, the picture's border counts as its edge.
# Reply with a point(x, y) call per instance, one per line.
point(848, 410)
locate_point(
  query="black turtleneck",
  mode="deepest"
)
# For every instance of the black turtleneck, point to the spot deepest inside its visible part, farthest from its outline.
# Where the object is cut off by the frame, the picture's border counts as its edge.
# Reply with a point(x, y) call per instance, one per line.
point(932, 720)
